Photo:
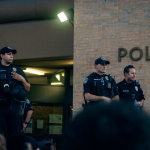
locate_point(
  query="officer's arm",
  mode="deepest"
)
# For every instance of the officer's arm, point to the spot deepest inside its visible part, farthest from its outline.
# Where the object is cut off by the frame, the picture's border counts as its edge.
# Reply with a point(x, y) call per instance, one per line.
point(141, 102)
point(20, 78)
point(142, 98)
point(115, 91)
point(29, 114)
point(116, 98)
point(26, 85)
point(91, 97)
point(28, 117)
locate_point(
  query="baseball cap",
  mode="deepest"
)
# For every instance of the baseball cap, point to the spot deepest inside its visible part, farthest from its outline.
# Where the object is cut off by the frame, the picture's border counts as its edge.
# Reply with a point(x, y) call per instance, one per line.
point(101, 60)
point(7, 50)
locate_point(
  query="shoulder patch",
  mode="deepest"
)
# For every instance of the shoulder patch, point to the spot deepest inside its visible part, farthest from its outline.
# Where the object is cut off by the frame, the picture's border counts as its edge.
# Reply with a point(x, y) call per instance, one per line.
point(27, 101)
point(86, 80)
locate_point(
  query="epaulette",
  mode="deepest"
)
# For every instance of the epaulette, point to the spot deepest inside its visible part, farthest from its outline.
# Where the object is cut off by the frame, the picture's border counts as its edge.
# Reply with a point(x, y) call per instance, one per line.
point(92, 74)
point(137, 82)
point(110, 77)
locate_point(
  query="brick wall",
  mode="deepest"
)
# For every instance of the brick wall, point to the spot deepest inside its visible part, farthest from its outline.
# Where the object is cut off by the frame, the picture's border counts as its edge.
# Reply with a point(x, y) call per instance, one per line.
point(100, 28)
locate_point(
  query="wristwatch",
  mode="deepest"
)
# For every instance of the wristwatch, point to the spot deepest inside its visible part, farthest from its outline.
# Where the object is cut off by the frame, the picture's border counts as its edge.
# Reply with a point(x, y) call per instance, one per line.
point(26, 122)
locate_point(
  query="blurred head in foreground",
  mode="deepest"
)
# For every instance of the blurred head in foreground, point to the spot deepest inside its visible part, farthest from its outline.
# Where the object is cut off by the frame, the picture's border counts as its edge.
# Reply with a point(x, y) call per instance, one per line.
point(115, 125)
point(18, 142)
point(2, 142)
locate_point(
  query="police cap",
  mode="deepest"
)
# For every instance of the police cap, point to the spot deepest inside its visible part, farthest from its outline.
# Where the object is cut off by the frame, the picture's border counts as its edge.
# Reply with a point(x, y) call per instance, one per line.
point(7, 50)
point(101, 60)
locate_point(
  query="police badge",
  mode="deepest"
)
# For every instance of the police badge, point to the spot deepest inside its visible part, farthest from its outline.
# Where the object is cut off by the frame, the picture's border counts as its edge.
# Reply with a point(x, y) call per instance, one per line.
point(14, 69)
point(106, 77)
point(136, 88)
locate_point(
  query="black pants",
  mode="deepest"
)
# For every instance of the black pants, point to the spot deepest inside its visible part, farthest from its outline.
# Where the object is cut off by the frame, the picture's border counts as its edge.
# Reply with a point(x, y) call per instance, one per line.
point(10, 121)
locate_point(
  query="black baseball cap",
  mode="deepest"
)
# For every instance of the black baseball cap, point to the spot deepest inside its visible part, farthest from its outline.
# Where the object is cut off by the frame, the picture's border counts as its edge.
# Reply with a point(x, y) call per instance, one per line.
point(7, 50)
point(101, 61)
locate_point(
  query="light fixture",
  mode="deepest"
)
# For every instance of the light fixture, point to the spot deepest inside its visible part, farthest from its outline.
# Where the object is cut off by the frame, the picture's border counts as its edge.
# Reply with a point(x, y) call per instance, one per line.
point(63, 74)
point(33, 72)
point(56, 83)
point(62, 17)
point(58, 77)
point(67, 15)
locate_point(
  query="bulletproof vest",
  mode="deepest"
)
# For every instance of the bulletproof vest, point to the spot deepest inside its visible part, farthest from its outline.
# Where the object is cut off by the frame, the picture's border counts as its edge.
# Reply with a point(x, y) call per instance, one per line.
point(6, 80)
point(7, 84)
point(102, 86)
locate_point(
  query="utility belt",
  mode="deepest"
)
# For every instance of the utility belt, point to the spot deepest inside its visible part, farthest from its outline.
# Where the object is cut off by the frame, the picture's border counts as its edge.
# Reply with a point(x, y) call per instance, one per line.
point(87, 105)
point(16, 106)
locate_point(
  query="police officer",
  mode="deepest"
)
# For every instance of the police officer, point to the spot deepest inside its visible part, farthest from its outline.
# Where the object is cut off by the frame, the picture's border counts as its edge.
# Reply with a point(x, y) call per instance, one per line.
point(98, 86)
point(13, 88)
point(26, 116)
point(130, 89)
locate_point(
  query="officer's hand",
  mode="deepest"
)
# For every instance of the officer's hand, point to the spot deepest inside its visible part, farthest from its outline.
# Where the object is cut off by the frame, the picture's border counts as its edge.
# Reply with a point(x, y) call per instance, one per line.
point(17, 76)
point(107, 99)
point(24, 127)
point(140, 104)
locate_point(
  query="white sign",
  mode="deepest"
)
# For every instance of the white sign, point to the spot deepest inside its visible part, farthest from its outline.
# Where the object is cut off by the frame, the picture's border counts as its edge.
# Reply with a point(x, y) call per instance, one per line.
point(55, 118)
point(39, 124)
point(29, 128)
point(54, 129)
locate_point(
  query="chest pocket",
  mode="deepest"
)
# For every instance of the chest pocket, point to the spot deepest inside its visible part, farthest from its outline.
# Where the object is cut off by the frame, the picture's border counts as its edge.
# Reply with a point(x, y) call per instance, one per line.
point(107, 83)
point(3, 75)
point(97, 87)
point(102, 87)
point(4, 81)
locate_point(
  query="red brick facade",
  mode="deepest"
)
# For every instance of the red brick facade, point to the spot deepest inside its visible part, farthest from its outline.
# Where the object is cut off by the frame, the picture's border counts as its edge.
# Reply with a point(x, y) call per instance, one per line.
point(100, 28)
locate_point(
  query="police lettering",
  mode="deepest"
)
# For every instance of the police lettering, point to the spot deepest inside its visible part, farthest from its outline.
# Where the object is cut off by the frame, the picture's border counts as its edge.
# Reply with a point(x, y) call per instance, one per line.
point(122, 52)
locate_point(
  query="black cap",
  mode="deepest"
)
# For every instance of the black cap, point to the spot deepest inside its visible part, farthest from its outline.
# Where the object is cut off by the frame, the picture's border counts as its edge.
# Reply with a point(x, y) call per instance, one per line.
point(101, 61)
point(7, 50)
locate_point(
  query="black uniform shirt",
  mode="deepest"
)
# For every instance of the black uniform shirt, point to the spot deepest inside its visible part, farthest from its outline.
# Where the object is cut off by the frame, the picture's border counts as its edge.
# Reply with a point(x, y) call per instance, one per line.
point(126, 90)
point(97, 85)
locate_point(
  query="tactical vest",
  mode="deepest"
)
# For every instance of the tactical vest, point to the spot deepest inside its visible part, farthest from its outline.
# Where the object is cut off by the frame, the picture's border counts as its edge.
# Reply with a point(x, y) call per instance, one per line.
point(11, 91)
point(7, 84)
point(6, 81)
point(102, 86)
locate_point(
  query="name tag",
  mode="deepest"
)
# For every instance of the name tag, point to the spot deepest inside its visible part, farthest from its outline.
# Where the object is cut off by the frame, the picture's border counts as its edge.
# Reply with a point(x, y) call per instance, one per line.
point(125, 91)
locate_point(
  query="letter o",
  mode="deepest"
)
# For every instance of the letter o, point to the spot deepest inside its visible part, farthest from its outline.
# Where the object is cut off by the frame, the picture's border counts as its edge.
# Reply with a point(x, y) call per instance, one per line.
point(138, 49)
